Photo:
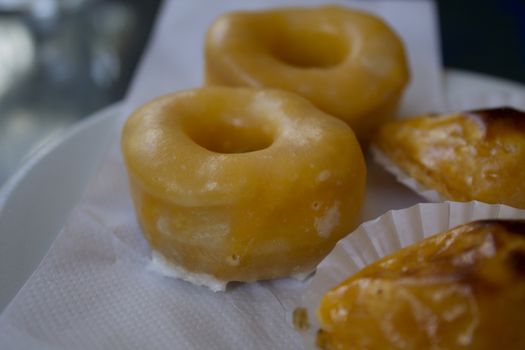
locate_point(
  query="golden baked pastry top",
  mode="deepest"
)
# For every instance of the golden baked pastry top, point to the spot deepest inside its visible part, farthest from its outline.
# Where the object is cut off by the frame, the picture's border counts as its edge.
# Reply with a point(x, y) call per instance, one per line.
point(475, 155)
point(460, 289)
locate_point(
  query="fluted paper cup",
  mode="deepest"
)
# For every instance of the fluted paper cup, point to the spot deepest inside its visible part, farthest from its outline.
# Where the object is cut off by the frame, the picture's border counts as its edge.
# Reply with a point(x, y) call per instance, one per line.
point(387, 234)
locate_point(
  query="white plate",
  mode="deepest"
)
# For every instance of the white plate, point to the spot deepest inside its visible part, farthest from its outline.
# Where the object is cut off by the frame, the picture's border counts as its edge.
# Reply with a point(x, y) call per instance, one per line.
point(36, 201)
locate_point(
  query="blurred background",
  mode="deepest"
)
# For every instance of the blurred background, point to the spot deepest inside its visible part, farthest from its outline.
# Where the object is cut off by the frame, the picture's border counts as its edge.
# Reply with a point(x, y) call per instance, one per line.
point(61, 60)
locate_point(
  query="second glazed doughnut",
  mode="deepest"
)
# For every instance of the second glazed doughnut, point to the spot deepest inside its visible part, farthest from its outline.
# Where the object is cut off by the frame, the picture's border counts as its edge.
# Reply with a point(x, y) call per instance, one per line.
point(350, 64)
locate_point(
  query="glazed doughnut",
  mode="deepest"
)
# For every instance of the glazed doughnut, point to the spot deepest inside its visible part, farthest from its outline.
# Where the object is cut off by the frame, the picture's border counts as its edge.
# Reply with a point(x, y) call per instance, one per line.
point(350, 64)
point(241, 184)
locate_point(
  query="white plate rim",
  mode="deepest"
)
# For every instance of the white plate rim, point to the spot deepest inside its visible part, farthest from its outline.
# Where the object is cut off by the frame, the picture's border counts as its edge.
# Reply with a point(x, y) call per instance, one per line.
point(23, 242)
point(6, 190)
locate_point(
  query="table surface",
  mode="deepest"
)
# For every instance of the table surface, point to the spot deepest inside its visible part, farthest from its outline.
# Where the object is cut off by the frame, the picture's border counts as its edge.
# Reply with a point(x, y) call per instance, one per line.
point(63, 60)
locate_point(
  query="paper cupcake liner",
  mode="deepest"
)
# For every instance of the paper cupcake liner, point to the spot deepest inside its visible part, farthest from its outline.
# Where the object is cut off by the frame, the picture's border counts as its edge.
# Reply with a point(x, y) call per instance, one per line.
point(401, 176)
point(387, 234)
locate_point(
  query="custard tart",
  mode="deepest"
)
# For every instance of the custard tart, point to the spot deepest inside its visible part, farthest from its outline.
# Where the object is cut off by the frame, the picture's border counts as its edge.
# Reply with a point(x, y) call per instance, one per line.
point(459, 289)
point(474, 155)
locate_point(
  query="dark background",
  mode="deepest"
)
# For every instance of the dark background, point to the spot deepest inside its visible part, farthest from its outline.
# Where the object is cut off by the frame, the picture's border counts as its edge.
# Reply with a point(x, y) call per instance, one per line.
point(486, 36)
point(84, 52)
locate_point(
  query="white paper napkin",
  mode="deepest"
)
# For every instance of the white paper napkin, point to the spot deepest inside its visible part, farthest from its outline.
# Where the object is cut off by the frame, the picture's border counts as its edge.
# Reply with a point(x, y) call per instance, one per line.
point(93, 290)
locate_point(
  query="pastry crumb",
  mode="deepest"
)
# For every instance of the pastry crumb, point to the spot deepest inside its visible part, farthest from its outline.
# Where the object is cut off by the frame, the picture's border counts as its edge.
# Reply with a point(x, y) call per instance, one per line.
point(300, 319)
point(321, 340)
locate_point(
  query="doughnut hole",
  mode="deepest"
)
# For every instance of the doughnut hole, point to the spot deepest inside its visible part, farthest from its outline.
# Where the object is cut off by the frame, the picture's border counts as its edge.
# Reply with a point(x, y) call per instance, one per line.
point(309, 49)
point(229, 135)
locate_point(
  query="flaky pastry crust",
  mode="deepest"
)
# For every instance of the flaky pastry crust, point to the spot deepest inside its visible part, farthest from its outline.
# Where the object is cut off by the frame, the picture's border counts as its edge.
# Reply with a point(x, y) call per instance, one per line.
point(475, 155)
point(460, 289)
